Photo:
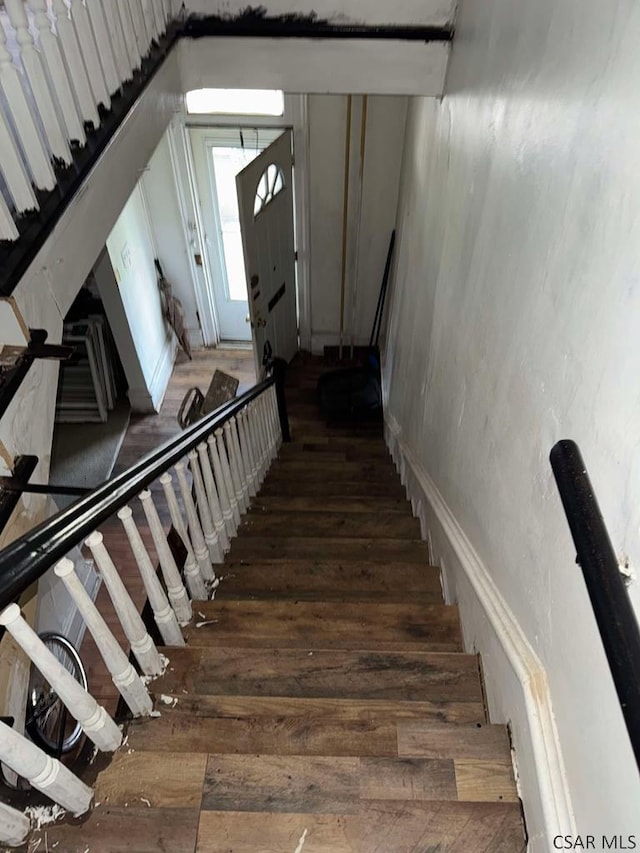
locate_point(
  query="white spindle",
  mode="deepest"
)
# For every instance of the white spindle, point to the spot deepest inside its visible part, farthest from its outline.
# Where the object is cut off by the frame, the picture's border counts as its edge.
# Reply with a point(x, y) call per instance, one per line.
point(14, 826)
point(114, 25)
point(27, 131)
point(175, 588)
point(237, 452)
point(168, 12)
point(8, 230)
point(36, 75)
point(13, 170)
point(273, 419)
point(192, 575)
point(161, 20)
point(149, 14)
point(52, 53)
point(256, 443)
point(86, 40)
point(124, 676)
point(163, 615)
point(264, 418)
point(226, 473)
point(247, 455)
point(212, 496)
point(216, 552)
point(139, 27)
point(141, 643)
point(225, 501)
point(95, 722)
point(197, 537)
point(43, 772)
point(106, 52)
point(276, 416)
point(129, 33)
point(73, 55)
point(235, 470)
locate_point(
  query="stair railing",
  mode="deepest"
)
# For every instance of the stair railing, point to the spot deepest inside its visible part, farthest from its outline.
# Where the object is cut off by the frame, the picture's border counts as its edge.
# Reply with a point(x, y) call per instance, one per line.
point(58, 83)
point(610, 601)
point(218, 463)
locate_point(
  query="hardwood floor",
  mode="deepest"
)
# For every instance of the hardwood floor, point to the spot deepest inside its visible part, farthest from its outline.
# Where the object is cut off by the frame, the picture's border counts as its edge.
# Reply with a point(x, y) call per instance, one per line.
point(323, 702)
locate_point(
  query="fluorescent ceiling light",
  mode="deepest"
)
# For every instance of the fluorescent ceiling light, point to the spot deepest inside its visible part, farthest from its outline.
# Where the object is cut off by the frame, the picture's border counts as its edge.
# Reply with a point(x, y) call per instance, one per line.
point(254, 102)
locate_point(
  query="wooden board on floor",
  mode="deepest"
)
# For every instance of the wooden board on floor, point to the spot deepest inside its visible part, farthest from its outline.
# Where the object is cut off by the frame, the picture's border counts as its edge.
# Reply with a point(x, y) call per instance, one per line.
point(327, 548)
point(320, 523)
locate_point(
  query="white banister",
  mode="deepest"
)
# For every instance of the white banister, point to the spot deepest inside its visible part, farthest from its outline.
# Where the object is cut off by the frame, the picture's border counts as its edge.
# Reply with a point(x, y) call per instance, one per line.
point(212, 496)
point(124, 676)
point(226, 473)
point(131, 42)
point(175, 588)
point(141, 643)
point(216, 553)
point(95, 722)
point(247, 454)
point(237, 452)
point(86, 40)
point(52, 53)
point(75, 62)
point(114, 25)
point(14, 826)
point(35, 152)
point(43, 772)
point(106, 51)
point(36, 75)
point(197, 537)
point(225, 501)
point(235, 470)
point(192, 575)
point(163, 614)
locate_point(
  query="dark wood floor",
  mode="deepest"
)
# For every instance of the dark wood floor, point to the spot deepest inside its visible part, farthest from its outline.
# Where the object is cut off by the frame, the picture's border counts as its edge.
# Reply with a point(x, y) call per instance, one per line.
point(323, 703)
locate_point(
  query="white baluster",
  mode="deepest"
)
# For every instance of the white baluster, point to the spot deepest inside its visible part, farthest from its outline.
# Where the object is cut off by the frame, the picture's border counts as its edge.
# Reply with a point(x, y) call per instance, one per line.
point(163, 615)
point(149, 14)
point(210, 534)
point(273, 418)
point(137, 19)
point(237, 452)
point(247, 455)
point(14, 826)
point(36, 75)
point(27, 131)
point(13, 169)
point(197, 537)
point(168, 12)
point(235, 470)
point(212, 496)
point(73, 55)
point(141, 643)
point(43, 772)
point(161, 18)
point(192, 576)
point(95, 722)
point(114, 25)
point(106, 52)
point(86, 40)
point(266, 429)
point(8, 230)
point(276, 416)
point(256, 444)
point(175, 588)
point(225, 499)
point(124, 676)
point(226, 473)
point(52, 52)
point(129, 33)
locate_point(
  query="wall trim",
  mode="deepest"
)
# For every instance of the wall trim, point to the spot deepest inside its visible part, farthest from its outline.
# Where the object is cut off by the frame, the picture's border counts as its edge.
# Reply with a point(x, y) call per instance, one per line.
point(162, 373)
point(537, 723)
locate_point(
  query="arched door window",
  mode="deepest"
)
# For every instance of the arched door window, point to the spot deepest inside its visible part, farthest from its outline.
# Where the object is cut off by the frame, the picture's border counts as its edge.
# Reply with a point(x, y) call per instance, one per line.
point(269, 185)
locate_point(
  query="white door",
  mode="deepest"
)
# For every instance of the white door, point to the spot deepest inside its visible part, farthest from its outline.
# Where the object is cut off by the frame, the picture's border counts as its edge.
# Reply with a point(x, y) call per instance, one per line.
point(218, 155)
point(265, 201)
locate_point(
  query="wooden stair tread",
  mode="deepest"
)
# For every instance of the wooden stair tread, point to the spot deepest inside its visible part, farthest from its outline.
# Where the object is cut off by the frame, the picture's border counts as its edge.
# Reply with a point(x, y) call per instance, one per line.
point(327, 488)
point(357, 525)
point(338, 472)
point(333, 624)
point(325, 547)
point(420, 676)
point(338, 503)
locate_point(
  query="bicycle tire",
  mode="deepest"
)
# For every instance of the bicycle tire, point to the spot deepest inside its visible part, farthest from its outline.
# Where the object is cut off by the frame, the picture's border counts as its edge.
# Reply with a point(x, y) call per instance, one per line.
point(48, 722)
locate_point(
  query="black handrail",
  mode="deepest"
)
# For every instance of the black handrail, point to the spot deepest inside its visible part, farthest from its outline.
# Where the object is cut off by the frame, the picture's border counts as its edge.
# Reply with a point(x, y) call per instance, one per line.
point(612, 607)
point(24, 561)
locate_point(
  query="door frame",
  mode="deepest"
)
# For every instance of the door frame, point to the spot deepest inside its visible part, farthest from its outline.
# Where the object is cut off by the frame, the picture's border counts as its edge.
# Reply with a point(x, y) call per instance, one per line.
point(295, 118)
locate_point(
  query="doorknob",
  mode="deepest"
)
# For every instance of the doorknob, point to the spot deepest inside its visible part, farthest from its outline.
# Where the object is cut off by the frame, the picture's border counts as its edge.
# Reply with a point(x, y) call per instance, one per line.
point(259, 323)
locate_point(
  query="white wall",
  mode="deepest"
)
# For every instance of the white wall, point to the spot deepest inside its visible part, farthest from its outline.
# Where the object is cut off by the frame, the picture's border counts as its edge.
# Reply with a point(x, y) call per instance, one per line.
point(384, 140)
point(131, 252)
point(515, 324)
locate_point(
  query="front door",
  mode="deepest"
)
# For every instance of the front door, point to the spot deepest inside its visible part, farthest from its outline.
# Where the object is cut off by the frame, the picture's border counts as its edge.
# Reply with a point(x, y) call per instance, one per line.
point(265, 202)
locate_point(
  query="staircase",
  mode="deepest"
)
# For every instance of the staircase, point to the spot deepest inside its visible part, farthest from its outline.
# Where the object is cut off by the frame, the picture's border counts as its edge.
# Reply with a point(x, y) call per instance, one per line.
point(322, 703)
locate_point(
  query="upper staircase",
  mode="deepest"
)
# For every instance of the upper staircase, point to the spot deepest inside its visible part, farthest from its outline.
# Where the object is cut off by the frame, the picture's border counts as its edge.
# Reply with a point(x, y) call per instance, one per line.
point(323, 702)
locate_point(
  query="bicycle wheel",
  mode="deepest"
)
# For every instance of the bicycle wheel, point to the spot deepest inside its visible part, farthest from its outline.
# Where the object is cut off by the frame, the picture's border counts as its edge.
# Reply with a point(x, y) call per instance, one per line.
point(48, 722)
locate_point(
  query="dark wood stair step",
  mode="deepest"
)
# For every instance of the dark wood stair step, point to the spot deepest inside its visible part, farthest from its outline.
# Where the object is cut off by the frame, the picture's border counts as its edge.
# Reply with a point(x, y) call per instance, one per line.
point(326, 624)
point(449, 683)
point(357, 525)
point(352, 450)
point(331, 580)
point(376, 827)
point(379, 471)
point(341, 503)
point(249, 548)
point(392, 489)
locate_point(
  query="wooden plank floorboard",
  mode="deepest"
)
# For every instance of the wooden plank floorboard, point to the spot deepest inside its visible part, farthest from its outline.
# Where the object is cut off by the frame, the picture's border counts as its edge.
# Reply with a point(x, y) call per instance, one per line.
point(363, 525)
point(341, 504)
point(327, 548)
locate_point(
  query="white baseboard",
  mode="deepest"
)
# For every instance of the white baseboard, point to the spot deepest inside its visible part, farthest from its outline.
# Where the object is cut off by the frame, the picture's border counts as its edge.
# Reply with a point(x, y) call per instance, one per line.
point(150, 399)
point(515, 680)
